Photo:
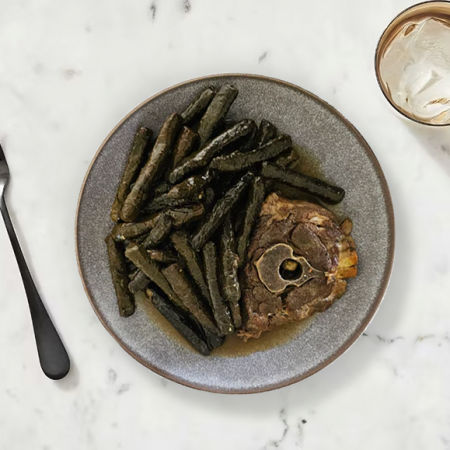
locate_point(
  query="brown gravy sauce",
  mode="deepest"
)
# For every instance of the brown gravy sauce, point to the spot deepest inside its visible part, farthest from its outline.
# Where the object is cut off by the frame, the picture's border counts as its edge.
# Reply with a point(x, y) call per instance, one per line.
point(235, 346)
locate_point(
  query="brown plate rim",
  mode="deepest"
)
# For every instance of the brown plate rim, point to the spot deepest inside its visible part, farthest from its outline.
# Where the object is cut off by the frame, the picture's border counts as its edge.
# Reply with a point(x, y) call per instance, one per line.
point(381, 291)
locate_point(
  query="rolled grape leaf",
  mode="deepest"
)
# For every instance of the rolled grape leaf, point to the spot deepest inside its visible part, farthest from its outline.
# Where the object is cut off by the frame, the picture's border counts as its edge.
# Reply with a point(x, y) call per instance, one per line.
point(147, 177)
point(119, 274)
point(135, 160)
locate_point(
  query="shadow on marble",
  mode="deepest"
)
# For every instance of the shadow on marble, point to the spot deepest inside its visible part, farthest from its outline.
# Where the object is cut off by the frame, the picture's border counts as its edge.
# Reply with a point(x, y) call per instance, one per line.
point(436, 141)
point(71, 381)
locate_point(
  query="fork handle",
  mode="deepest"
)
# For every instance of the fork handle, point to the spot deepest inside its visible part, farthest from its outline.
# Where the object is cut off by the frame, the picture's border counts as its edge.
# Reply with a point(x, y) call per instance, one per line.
point(53, 356)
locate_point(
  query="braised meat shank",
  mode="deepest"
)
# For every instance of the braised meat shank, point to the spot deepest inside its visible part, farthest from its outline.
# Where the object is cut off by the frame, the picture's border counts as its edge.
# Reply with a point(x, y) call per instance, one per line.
point(297, 263)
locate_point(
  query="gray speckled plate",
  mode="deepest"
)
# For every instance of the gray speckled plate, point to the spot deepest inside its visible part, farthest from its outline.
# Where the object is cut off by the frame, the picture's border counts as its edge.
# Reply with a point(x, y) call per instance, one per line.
point(346, 160)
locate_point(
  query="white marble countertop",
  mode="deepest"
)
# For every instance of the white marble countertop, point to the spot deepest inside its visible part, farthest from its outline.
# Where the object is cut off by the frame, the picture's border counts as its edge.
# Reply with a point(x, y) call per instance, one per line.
point(69, 72)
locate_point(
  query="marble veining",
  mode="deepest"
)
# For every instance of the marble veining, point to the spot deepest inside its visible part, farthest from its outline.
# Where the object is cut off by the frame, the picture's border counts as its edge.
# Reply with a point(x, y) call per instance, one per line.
point(123, 388)
point(153, 11)
point(262, 57)
point(292, 434)
point(279, 441)
point(112, 375)
point(69, 73)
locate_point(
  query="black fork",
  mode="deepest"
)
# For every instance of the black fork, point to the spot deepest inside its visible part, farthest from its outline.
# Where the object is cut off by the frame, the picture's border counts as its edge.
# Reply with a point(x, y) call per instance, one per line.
point(52, 355)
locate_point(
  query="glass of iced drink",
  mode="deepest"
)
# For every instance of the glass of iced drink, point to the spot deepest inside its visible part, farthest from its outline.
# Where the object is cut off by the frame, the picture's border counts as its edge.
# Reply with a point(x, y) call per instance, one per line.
point(413, 63)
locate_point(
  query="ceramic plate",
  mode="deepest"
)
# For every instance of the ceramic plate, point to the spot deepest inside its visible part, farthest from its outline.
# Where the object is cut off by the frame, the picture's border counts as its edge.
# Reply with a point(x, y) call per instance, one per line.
point(345, 159)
